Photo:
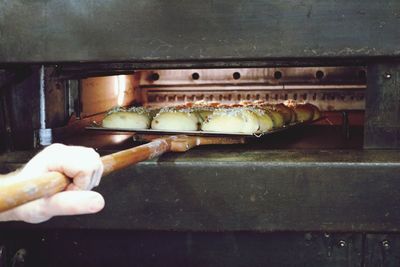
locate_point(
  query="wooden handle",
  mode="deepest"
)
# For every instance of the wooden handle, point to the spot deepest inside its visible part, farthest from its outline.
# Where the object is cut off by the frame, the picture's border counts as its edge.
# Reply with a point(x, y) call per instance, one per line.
point(15, 193)
point(124, 158)
point(18, 192)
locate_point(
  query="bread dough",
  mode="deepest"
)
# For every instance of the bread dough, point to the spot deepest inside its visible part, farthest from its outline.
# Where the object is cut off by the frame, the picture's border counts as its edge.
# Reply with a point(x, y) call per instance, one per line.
point(287, 113)
point(304, 112)
point(232, 120)
point(265, 121)
point(171, 119)
point(133, 118)
point(277, 118)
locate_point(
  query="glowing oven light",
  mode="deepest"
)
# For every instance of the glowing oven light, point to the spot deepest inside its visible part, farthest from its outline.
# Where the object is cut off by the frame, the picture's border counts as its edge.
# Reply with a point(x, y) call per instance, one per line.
point(119, 138)
point(119, 88)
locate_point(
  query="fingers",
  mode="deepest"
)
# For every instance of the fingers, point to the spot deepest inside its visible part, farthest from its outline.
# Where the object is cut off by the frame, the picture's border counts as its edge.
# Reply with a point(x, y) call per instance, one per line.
point(80, 163)
point(64, 203)
point(96, 177)
point(86, 174)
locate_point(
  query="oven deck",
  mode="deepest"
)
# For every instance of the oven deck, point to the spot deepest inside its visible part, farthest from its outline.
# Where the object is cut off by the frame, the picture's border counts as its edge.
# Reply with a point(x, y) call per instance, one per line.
point(247, 187)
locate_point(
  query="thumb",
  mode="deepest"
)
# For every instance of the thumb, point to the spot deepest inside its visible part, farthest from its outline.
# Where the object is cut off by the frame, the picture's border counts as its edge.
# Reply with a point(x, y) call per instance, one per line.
point(64, 203)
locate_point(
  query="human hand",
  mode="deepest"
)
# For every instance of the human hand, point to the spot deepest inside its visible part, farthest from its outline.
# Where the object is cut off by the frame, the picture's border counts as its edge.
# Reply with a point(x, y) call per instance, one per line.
point(81, 164)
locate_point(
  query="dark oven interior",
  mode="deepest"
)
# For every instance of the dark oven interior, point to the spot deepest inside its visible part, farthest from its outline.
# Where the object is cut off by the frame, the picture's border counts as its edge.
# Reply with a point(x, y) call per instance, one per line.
point(73, 97)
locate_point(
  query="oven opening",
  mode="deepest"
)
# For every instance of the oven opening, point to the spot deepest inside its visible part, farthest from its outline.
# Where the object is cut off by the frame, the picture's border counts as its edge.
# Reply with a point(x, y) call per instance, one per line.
point(338, 92)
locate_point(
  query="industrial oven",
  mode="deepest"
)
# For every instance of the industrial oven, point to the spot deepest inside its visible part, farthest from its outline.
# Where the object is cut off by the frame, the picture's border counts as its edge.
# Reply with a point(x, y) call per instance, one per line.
point(321, 194)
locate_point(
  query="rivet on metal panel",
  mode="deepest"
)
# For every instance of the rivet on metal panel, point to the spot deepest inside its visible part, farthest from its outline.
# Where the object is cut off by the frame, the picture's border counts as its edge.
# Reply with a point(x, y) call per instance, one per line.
point(308, 236)
point(2, 256)
point(387, 75)
point(386, 244)
point(342, 243)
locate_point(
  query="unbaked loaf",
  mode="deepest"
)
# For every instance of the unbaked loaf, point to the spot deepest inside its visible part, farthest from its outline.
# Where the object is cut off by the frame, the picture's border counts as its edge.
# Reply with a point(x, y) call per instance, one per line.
point(317, 112)
point(248, 117)
point(232, 120)
point(132, 118)
point(287, 113)
point(277, 118)
point(176, 119)
point(304, 112)
point(265, 121)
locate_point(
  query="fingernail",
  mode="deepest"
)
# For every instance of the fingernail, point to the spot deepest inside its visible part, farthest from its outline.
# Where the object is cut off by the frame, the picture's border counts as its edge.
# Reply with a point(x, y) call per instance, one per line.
point(96, 204)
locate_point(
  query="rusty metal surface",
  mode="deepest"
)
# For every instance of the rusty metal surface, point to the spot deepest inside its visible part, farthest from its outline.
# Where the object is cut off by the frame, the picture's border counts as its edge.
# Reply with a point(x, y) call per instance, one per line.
point(141, 30)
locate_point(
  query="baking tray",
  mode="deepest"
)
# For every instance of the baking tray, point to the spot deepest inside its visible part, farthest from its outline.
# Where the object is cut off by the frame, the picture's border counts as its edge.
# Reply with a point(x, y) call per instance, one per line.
point(96, 127)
